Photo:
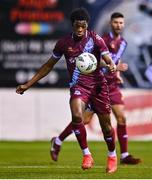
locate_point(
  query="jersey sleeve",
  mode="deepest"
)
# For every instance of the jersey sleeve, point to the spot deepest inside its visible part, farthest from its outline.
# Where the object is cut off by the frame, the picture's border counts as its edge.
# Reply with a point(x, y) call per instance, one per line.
point(101, 44)
point(58, 50)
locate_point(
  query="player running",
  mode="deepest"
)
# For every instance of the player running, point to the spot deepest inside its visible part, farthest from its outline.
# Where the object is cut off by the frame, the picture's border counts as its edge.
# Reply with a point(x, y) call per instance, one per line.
point(83, 88)
point(116, 45)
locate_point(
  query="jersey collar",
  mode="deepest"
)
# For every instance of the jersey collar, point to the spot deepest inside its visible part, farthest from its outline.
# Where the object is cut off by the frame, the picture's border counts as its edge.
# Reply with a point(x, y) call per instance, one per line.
point(112, 36)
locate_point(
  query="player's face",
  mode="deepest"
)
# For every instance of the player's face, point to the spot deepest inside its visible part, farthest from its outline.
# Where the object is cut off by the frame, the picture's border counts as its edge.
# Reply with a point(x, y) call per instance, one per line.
point(79, 28)
point(117, 25)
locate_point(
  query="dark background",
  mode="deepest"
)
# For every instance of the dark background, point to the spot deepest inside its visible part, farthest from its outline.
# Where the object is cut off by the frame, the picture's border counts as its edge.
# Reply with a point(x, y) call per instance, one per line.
point(29, 30)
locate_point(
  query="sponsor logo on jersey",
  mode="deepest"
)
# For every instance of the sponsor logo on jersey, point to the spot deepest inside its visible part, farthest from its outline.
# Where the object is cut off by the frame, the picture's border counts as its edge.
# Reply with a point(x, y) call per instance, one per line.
point(77, 92)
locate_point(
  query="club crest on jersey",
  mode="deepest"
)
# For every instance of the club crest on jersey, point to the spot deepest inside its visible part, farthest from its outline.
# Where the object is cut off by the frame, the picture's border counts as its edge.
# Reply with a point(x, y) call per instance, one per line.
point(71, 50)
point(112, 45)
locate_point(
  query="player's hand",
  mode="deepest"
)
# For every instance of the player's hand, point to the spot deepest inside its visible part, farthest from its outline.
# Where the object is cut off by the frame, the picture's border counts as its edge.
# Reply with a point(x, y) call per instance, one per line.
point(21, 89)
point(122, 66)
point(112, 68)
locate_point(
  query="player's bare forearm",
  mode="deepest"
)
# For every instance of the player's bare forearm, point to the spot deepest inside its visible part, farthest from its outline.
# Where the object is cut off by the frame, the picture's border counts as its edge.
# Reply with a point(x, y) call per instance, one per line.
point(42, 72)
point(103, 63)
point(109, 62)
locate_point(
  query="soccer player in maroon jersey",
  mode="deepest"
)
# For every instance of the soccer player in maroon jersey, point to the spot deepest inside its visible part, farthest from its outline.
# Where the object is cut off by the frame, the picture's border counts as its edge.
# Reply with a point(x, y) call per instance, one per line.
point(116, 45)
point(83, 88)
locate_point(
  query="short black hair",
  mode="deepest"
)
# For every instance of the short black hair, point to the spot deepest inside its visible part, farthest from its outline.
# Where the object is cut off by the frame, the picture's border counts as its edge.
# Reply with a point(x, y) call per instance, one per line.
point(79, 14)
point(117, 15)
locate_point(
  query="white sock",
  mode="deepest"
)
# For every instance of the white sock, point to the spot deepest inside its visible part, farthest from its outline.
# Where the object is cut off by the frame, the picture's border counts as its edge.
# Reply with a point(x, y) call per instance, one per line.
point(112, 153)
point(86, 151)
point(123, 155)
point(58, 141)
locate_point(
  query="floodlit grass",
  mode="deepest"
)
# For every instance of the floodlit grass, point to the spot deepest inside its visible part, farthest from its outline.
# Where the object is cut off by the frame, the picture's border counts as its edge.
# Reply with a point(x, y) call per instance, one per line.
point(31, 160)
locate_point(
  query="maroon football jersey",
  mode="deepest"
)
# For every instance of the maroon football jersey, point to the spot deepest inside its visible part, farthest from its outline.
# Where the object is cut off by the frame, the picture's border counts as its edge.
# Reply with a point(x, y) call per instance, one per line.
point(116, 48)
point(71, 48)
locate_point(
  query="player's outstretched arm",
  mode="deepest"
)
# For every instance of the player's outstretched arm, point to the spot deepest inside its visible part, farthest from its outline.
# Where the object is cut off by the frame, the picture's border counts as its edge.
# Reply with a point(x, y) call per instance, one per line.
point(42, 72)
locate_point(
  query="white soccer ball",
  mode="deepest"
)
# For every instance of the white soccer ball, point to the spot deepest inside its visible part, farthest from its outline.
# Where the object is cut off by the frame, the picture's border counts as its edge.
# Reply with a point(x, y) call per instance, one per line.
point(86, 63)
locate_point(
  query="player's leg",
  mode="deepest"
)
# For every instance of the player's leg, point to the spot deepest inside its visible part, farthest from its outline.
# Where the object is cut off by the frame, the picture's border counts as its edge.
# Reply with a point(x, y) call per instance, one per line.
point(102, 107)
point(87, 116)
point(56, 142)
point(77, 109)
point(126, 158)
point(109, 137)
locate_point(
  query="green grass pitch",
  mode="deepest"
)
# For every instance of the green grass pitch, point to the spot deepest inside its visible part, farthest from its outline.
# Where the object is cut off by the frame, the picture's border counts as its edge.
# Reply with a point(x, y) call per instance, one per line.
point(31, 160)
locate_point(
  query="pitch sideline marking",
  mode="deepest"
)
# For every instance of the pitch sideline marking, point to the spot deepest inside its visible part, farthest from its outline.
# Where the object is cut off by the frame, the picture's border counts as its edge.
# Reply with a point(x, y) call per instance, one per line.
point(74, 167)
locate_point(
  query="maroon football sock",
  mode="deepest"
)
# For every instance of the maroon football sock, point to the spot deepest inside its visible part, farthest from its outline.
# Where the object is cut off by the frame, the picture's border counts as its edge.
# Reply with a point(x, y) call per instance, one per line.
point(81, 135)
point(66, 132)
point(122, 137)
point(110, 140)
